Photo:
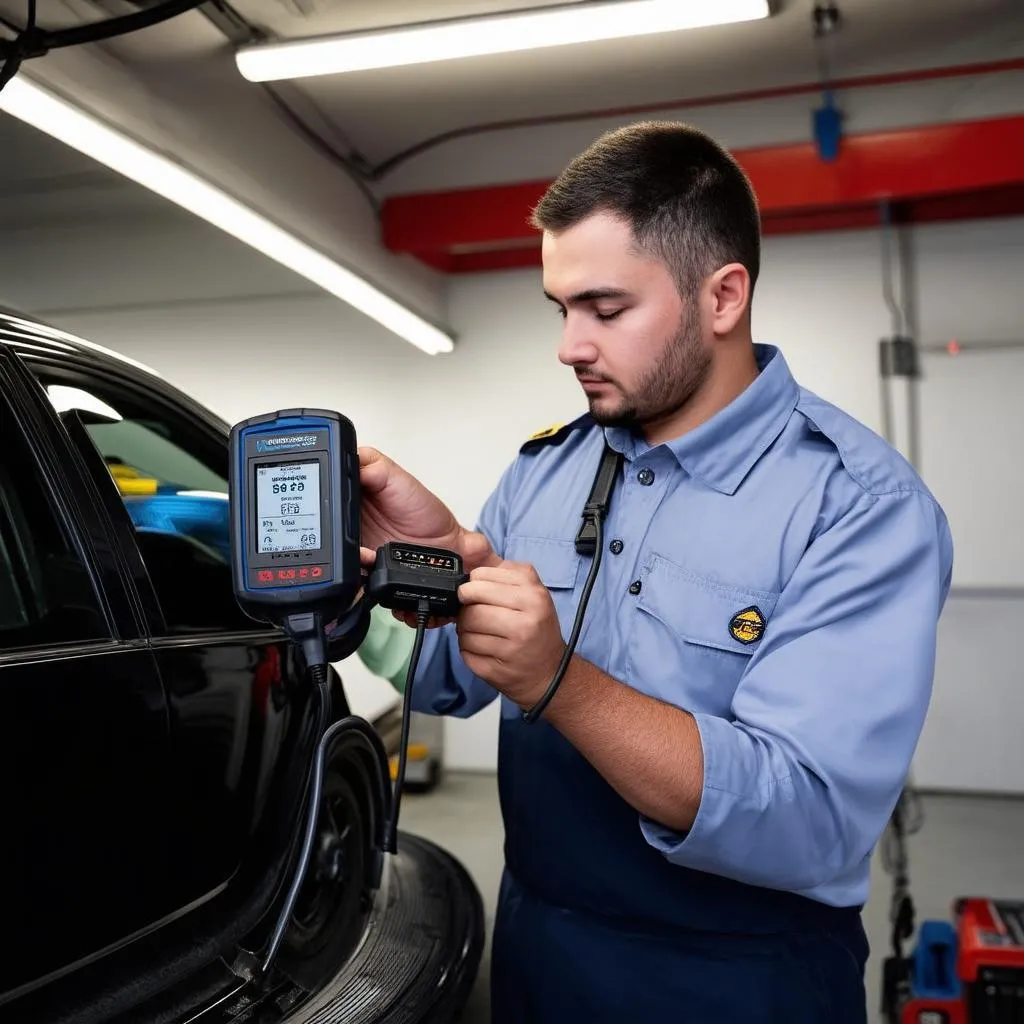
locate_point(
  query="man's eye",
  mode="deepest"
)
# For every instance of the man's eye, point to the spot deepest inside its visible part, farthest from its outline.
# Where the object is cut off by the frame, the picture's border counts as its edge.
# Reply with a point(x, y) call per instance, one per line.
point(608, 316)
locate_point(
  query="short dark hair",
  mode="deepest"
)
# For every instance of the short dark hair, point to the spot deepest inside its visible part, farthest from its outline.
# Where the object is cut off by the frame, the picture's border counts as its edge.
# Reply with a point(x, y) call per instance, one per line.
point(688, 201)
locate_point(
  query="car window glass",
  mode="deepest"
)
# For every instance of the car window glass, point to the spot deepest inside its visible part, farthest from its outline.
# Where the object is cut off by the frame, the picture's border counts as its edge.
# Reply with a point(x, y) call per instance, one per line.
point(175, 491)
point(47, 595)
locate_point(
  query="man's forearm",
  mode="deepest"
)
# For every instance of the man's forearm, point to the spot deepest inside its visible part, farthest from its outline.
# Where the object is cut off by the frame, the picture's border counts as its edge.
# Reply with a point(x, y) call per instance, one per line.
point(649, 752)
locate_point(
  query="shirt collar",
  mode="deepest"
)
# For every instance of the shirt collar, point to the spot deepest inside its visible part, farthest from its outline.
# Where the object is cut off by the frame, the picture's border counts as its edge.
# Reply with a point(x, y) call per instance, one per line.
point(722, 450)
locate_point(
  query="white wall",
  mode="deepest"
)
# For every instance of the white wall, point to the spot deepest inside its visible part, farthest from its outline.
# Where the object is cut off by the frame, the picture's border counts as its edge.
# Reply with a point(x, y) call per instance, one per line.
point(456, 420)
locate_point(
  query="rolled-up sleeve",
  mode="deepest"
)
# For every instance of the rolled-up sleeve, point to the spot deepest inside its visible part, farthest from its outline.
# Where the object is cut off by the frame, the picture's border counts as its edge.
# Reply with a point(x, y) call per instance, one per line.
point(801, 780)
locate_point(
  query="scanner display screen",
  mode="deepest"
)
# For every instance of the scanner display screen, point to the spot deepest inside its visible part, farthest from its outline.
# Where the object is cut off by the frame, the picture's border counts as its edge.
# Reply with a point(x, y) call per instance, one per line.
point(288, 507)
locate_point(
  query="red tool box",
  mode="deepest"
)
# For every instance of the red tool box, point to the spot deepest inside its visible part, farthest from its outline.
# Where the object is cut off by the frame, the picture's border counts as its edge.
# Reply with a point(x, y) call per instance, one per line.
point(967, 970)
point(970, 971)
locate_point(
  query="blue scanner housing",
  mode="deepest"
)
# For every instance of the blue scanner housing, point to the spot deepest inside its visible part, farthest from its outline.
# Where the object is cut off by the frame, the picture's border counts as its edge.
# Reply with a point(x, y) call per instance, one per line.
point(295, 505)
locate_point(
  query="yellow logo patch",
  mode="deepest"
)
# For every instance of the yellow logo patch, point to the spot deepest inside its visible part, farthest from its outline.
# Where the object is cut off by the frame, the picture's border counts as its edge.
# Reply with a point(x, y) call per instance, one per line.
point(747, 626)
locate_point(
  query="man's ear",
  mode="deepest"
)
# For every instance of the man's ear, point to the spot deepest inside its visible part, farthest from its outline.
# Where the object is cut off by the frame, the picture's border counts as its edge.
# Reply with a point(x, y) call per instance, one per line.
point(728, 292)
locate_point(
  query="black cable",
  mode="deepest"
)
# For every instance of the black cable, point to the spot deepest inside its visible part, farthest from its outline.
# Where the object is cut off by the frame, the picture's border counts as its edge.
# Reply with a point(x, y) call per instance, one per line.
point(323, 690)
point(99, 31)
point(18, 48)
point(350, 164)
point(31, 41)
point(422, 616)
point(537, 710)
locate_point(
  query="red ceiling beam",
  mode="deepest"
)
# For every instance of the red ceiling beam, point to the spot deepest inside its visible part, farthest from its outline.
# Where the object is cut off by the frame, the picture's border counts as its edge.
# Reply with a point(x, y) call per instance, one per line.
point(1001, 202)
point(931, 173)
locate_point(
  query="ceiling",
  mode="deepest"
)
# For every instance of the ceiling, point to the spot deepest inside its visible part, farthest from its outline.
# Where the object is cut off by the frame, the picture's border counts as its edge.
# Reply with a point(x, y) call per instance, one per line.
point(379, 114)
point(384, 112)
point(294, 148)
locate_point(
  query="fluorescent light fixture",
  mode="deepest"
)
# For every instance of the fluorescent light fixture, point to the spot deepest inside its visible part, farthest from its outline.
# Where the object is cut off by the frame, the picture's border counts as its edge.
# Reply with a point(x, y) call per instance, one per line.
point(23, 99)
point(477, 37)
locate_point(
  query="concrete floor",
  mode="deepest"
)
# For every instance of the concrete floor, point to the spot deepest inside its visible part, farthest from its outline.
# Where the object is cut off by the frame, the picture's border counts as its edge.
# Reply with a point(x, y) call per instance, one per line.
point(967, 845)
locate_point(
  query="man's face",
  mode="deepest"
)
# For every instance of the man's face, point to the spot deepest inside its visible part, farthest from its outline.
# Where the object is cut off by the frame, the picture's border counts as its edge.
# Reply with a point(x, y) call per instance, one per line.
point(636, 346)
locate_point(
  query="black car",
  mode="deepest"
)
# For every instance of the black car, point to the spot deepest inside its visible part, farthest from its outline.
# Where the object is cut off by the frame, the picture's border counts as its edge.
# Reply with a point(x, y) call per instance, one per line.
point(157, 743)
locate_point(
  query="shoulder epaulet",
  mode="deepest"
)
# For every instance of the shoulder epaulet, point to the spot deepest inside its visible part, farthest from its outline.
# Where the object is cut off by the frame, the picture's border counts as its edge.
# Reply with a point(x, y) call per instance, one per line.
point(557, 433)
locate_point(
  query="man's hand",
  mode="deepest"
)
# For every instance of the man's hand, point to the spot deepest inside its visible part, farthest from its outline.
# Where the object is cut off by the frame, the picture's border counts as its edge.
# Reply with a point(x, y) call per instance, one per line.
point(396, 506)
point(509, 632)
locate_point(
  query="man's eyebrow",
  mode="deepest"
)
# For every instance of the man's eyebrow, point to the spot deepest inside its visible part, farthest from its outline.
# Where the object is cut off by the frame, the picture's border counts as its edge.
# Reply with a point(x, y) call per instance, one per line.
point(590, 294)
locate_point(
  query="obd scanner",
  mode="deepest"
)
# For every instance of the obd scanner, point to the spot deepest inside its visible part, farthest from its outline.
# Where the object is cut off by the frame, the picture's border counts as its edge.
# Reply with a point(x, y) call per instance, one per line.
point(294, 489)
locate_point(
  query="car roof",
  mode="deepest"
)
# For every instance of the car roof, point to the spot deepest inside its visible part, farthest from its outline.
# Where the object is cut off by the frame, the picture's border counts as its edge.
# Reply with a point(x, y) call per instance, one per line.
point(41, 343)
point(21, 331)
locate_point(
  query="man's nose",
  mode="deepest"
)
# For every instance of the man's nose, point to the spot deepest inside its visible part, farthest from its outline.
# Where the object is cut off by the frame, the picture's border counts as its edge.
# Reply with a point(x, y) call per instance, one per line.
point(577, 347)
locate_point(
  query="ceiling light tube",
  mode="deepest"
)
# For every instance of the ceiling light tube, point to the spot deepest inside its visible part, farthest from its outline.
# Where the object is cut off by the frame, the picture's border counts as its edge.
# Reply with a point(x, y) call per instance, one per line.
point(484, 36)
point(29, 102)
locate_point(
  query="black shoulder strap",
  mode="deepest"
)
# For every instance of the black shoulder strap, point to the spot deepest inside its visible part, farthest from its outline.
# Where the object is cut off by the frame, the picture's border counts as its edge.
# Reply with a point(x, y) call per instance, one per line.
point(556, 434)
point(596, 507)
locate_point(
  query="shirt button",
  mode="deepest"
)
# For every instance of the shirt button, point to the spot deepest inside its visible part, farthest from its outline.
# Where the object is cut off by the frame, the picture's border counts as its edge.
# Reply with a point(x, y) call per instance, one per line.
point(634, 587)
point(616, 547)
point(646, 476)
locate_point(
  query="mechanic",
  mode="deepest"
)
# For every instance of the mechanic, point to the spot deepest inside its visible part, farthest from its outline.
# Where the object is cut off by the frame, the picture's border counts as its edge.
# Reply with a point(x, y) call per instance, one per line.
point(689, 825)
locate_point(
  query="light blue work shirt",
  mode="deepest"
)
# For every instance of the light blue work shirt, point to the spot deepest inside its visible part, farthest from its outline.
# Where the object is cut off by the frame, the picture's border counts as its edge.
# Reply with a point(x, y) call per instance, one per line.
point(778, 573)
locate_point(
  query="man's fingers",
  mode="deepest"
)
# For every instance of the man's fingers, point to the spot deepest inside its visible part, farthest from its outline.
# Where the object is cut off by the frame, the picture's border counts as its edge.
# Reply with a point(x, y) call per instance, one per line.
point(374, 470)
point(368, 456)
point(482, 645)
point(484, 619)
point(485, 592)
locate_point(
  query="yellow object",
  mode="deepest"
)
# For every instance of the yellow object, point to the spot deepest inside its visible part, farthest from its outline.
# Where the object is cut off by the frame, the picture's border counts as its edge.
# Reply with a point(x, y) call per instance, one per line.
point(417, 752)
point(131, 482)
point(547, 431)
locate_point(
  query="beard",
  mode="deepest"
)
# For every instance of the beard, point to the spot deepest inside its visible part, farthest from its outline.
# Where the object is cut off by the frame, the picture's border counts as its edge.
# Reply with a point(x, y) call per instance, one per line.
point(664, 388)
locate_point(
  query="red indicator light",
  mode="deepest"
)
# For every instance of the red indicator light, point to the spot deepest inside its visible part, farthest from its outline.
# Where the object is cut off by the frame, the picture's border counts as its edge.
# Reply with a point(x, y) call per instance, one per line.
point(286, 574)
point(317, 572)
point(265, 576)
point(303, 572)
point(953, 348)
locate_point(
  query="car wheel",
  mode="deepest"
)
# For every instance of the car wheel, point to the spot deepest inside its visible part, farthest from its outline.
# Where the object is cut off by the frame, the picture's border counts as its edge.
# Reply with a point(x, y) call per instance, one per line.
point(334, 901)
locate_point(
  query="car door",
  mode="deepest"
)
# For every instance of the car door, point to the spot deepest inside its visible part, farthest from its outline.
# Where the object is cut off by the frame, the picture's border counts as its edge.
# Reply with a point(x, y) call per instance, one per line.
point(86, 734)
point(240, 717)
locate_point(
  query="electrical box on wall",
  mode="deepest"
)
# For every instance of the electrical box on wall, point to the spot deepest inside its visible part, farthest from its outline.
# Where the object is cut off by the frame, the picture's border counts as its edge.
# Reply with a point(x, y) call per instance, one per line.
point(898, 358)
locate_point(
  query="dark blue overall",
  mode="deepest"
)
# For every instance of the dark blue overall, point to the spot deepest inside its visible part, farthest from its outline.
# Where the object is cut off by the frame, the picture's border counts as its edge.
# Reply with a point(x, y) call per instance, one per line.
point(596, 926)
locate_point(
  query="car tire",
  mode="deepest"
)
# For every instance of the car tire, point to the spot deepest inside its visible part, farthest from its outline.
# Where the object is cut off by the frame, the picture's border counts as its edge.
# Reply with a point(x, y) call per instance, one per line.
point(335, 899)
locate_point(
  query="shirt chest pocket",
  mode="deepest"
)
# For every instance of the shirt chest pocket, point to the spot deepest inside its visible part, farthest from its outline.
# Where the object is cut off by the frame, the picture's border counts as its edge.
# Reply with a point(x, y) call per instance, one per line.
point(693, 637)
point(558, 565)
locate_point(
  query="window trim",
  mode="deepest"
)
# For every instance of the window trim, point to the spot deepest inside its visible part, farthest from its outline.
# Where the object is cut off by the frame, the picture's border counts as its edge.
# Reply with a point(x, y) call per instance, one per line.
point(49, 457)
point(90, 377)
